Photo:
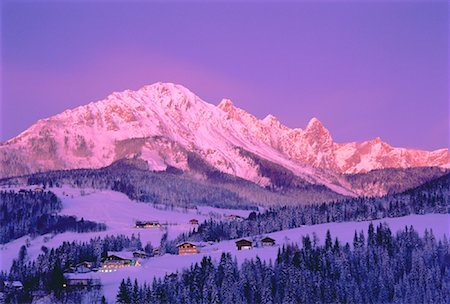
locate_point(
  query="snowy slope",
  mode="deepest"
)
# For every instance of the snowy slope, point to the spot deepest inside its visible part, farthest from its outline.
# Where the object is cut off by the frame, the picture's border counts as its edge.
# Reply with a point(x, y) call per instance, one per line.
point(163, 122)
point(119, 213)
point(159, 266)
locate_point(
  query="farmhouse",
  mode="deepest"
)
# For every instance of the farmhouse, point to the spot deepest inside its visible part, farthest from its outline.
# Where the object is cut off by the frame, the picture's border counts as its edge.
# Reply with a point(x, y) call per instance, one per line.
point(234, 217)
point(116, 260)
point(244, 244)
point(187, 248)
point(147, 224)
point(76, 281)
point(193, 222)
point(139, 254)
point(84, 267)
point(268, 241)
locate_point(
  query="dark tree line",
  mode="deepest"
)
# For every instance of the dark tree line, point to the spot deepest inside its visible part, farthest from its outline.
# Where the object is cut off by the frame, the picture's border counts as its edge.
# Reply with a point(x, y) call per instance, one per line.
point(170, 188)
point(432, 197)
point(35, 213)
point(45, 273)
point(379, 268)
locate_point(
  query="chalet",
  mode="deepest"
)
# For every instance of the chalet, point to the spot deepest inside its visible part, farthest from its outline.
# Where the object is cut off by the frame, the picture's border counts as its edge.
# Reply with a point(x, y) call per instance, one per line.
point(76, 281)
point(244, 244)
point(193, 222)
point(234, 217)
point(268, 241)
point(84, 267)
point(116, 260)
point(139, 254)
point(187, 248)
point(147, 224)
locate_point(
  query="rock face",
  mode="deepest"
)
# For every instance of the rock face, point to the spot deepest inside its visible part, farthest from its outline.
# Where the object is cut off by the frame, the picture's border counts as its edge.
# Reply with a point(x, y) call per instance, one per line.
point(162, 123)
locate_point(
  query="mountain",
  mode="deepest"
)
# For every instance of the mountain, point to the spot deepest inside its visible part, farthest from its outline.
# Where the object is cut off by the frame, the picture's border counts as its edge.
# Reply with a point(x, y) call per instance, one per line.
point(166, 124)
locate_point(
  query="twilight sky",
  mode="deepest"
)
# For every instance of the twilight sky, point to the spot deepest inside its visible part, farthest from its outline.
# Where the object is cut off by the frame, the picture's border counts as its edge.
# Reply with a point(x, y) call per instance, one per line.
point(365, 69)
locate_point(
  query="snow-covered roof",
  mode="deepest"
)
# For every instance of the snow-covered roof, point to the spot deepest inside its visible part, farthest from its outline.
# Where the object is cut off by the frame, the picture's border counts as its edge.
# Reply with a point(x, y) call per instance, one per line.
point(197, 244)
point(14, 284)
point(79, 276)
point(122, 254)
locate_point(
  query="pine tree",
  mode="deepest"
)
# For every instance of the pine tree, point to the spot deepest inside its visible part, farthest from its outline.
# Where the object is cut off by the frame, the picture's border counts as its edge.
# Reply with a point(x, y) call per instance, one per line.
point(123, 296)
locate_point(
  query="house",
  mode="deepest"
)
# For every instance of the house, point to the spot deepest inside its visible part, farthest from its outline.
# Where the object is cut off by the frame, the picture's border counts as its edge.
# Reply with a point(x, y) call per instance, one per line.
point(139, 254)
point(147, 224)
point(84, 267)
point(38, 189)
point(234, 217)
point(156, 251)
point(187, 248)
point(244, 244)
point(193, 222)
point(83, 281)
point(268, 241)
point(116, 260)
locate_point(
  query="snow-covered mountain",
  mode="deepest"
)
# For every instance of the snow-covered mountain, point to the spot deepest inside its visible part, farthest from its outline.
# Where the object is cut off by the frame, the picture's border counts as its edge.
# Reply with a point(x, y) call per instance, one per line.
point(164, 123)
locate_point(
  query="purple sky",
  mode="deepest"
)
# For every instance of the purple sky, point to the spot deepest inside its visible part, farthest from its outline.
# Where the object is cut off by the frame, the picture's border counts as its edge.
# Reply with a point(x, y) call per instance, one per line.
point(365, 69)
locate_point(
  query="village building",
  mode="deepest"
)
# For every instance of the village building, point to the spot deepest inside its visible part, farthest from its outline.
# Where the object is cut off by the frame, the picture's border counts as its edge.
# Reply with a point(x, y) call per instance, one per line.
point(139, 254)
point(187, 248)
point(193, 222)
point(116, 260)
point(38, 189)
point(84, 267)
point(77, 281)
point(147, 224)
point(268, 241)
point(234, 217)
point(244, 244)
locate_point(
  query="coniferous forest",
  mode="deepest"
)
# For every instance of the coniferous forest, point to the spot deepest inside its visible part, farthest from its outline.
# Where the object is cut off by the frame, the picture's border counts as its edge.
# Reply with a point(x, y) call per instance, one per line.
point(431, 197)
point(378, 267)
point(46, 272)
point(35, 213)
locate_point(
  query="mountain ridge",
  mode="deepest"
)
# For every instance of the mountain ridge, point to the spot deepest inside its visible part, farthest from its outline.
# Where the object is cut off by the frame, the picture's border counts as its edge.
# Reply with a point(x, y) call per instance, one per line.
point(163, 122)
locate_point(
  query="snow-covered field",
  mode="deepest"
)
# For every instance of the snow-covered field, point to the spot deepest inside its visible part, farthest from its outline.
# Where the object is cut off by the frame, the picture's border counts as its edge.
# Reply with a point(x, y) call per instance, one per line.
point(159, 266)
point(120, 214)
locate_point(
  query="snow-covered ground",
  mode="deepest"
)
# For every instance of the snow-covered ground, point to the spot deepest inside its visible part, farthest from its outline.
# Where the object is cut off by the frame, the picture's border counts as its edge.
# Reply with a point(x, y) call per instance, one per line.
point(159, 266)
point(120, 213)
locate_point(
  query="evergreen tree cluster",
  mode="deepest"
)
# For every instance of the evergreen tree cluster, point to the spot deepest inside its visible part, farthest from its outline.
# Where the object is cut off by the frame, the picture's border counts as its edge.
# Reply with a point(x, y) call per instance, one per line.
point(431, 197)
point(35, 213)
point(378, 268)
point(46, 271)
point(170, 188)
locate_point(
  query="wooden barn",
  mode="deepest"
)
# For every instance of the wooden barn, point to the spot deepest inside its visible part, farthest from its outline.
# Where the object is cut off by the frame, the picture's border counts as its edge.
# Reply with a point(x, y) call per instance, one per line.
point(139, 254)
point(244, 244)
point(193, 222)
point(84, 267)
point(80, 281)
point(187, 248)
point(147, 224)
point(268, 241)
